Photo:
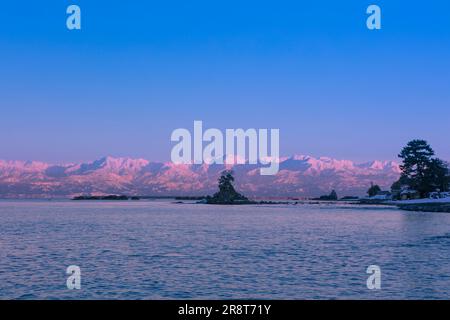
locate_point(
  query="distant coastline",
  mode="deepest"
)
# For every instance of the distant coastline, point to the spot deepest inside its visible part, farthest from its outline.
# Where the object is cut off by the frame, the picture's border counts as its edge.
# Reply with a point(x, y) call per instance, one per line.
point(109, 197)
point(299, 176)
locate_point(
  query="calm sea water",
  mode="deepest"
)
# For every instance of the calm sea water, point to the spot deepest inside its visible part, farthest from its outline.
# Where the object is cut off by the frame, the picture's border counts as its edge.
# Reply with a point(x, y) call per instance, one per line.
point(160, 250)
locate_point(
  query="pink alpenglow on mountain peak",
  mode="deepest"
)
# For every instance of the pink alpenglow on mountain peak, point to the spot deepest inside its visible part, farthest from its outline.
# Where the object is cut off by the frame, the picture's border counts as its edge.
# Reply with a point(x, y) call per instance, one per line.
point(234, 146)
point(299, 176)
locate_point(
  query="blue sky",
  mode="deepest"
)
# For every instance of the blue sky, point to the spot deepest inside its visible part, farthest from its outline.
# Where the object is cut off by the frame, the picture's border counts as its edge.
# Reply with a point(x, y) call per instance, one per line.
point(138, 70)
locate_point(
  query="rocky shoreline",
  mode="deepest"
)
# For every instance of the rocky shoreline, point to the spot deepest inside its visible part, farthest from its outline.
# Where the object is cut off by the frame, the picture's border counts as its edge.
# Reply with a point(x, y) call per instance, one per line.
point(426, 207)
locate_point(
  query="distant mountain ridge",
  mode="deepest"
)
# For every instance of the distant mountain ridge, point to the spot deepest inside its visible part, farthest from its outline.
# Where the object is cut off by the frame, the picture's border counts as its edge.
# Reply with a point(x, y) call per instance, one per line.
point(299, 176)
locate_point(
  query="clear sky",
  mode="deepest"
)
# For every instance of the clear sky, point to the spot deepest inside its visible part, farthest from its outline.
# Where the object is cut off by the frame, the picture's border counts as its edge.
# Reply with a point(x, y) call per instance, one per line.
point(139, 69)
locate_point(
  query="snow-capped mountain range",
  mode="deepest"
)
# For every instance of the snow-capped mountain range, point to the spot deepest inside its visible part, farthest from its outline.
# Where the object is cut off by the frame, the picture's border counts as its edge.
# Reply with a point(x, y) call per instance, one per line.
point(298, 176)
